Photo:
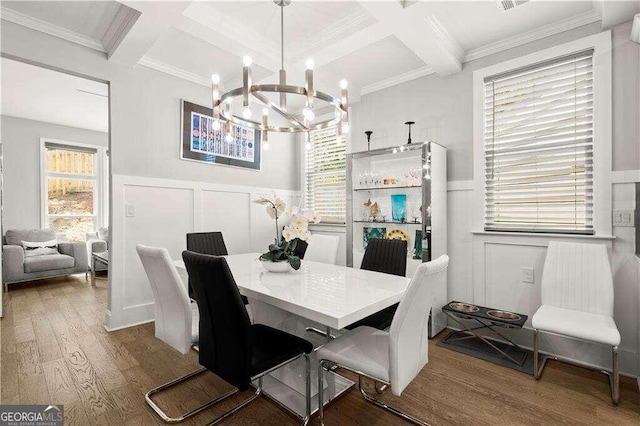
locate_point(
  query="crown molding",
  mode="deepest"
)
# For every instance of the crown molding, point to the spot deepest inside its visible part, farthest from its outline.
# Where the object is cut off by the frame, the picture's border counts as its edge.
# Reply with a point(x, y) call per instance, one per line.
point(398, 79)
point(533, 35)
point(119, 28)
point(148, 62)
point(18, 18)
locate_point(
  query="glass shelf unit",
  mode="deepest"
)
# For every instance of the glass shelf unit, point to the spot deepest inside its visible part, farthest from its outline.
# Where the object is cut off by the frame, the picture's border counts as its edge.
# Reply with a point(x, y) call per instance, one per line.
point(416, 173)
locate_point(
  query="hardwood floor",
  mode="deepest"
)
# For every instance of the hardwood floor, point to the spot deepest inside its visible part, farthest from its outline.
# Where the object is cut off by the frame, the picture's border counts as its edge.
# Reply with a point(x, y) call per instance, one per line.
point(55, 350)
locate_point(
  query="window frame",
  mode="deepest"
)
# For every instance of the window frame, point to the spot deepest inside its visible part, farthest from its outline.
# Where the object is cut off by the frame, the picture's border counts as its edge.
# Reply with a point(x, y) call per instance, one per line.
point(303, 169)
point(602, 127)
point(100, 187)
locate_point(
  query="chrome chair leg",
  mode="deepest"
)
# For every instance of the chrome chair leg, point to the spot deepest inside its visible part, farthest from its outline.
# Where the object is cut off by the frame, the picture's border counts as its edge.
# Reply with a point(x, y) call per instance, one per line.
point(191, 413)
point(615, 378)
point(326, 334)
point(536, 348)
point(307, 416)
point(387, 407)
point(238, 407)
point(321, 370)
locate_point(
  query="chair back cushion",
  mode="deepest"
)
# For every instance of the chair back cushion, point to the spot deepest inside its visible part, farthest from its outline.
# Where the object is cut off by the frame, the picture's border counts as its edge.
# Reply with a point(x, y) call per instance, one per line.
point(577, 276)
point(172, 305)
point(207, 243)
point(15, 237)
point(408, 335)
point(386, 256)
point(225, 329)
point(323, 248)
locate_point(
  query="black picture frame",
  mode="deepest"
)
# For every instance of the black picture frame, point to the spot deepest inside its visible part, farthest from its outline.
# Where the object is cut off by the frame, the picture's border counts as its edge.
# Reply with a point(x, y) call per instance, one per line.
point(199, 142)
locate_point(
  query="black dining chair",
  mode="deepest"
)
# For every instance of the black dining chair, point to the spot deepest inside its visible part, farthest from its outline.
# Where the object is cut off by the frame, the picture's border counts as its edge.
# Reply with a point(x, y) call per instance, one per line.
point(230, 346)
point(388, 257)
point(208, 243)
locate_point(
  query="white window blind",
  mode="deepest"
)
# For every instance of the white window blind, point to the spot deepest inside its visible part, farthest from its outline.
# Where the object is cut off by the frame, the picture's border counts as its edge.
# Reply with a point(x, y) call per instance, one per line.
point(538, 141)
point(325, 171)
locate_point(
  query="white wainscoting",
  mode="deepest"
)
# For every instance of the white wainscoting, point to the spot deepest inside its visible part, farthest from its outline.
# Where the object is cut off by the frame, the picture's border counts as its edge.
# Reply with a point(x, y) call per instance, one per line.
point(486, 269)
point(165, 211)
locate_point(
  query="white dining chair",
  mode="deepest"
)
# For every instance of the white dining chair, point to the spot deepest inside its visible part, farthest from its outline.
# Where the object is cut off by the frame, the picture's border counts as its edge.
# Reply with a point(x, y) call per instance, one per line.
point(577, 301)
point(176, 317)
point(323, 248)
point(393, 357)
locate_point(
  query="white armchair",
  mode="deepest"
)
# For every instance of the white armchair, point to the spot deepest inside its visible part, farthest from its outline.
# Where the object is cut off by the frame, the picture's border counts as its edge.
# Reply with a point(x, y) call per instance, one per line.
point(577, 301)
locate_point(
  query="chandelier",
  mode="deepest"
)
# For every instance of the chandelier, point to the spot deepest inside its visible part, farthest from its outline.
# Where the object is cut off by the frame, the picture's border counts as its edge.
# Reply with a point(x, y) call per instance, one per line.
point(273, 97)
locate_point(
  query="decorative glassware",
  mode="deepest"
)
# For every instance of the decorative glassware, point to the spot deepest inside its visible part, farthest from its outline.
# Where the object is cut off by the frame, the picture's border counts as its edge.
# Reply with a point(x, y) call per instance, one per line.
point(417, 245)
point(399, 207)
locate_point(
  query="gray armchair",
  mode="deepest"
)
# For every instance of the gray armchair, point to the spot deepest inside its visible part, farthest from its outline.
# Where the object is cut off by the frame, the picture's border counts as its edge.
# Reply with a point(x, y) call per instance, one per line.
point(97, 242)
point(70, 259)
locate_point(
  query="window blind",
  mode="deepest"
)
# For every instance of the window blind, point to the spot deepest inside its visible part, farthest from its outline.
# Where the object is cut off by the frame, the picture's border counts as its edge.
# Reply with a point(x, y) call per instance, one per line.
point(538, 142)
point(325, 171)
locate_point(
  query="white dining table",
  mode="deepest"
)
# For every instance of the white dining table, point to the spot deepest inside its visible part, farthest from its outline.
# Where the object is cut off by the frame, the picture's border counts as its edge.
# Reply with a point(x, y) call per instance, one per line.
point(318, 295)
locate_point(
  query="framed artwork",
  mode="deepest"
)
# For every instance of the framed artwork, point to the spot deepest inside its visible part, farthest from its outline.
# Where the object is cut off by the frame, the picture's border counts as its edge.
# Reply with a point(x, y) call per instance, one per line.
point(371, 233)
point(199, 142)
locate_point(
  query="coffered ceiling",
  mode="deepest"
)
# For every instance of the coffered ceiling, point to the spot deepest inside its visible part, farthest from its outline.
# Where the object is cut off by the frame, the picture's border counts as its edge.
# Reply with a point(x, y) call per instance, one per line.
point(373, 44)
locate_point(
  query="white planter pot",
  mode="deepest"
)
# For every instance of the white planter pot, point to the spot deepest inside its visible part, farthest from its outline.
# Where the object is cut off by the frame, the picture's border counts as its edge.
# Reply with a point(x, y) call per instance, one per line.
point(282, 266)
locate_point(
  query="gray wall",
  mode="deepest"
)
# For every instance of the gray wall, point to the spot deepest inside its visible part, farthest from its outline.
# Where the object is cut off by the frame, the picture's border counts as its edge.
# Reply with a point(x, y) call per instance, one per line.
point(442, 107)
point(21, 145)
point(145, 115)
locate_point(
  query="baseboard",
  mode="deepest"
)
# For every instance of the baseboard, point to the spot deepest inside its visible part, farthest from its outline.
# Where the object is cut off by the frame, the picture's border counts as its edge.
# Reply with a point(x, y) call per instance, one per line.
point(131, 316)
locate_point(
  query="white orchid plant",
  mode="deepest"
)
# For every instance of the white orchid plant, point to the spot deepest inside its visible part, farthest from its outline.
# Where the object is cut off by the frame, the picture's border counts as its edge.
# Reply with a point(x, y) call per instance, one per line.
point(296, 230)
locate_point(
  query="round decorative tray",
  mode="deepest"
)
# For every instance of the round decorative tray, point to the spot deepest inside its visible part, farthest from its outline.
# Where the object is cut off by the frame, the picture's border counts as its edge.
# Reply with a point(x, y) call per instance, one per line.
point(397, 234)
point(463, 307)
point(503, 315)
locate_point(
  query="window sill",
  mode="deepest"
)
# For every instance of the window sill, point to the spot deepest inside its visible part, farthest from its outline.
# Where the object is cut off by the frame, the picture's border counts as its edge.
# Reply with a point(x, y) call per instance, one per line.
point(545, 235)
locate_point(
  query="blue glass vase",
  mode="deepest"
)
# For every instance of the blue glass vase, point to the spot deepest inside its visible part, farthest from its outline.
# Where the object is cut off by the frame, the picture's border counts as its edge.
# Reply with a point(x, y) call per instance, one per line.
point(399, 207)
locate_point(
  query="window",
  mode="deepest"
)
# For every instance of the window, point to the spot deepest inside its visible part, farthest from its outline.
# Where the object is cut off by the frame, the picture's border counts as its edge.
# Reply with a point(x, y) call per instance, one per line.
point(538, 147)
point(71, 189)
point(325, 175)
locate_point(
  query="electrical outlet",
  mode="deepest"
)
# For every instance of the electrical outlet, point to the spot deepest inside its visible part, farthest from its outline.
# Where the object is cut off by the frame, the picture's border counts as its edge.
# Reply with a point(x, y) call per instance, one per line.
point(527, 275)
point(130, 210)
point(623, 218)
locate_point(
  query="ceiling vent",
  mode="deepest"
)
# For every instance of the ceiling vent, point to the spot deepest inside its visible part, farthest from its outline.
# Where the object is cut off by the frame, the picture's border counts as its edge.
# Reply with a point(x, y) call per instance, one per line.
point(509, 4)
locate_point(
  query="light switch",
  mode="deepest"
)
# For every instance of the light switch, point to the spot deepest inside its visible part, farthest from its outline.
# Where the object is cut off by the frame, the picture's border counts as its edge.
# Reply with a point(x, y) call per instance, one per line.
point(130, 210)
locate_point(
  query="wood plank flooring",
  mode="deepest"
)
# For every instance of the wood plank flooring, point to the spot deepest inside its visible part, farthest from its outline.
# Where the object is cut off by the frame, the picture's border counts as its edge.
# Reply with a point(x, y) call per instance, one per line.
point(54, 349)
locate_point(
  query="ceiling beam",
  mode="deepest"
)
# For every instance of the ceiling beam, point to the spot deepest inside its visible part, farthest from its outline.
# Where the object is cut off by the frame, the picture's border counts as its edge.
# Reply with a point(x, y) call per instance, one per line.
point(155, 18)
point(421, 32)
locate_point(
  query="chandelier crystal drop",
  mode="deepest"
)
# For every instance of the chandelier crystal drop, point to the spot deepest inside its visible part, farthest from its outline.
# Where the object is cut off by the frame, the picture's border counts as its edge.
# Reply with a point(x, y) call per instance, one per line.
point(300, 121)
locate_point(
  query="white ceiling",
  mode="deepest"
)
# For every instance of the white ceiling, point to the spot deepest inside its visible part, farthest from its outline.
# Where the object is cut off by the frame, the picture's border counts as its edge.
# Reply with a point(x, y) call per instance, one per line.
point(373, 44)
point(40, 94)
